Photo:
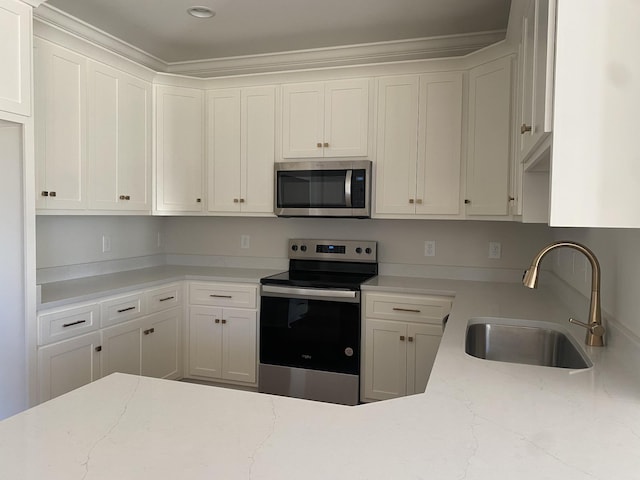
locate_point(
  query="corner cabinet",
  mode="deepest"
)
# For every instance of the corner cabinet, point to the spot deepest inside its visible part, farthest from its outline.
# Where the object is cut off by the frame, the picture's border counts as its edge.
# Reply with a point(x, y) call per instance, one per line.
point(222, 326)
point(329, 119)
point(60, 127)
point(179, 149)
point(401, 338)
point(489, 138)
point(119, 140)
point(419, 135)
point(240, 125)
point(15, 57)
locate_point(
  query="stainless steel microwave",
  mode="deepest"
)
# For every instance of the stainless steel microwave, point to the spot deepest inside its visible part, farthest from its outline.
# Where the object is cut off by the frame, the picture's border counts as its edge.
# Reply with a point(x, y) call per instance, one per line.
point(323, 188)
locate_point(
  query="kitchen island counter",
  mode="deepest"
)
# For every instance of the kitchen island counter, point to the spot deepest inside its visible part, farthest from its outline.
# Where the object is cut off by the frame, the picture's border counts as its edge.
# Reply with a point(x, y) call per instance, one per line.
point(477, 419)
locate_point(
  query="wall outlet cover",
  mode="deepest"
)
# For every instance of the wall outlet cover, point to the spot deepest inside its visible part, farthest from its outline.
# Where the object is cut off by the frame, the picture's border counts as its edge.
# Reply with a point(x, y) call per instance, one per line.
point(495, 250)
point(430, 248)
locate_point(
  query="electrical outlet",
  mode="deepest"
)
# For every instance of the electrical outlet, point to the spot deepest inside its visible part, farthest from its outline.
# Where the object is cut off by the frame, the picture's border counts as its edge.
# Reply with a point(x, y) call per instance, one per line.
point(244, 241)
point(106, 243)
point(430, 248)
point(495, 250)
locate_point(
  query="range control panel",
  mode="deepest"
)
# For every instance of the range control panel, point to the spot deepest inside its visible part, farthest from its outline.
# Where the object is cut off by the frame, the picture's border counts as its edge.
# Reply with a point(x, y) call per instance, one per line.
point(335, 250)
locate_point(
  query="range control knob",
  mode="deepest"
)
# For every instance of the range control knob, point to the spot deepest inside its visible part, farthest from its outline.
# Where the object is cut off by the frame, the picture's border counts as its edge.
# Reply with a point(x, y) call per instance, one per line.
point(303, 248)
point(358, 250)
point(367, 251)
point(294, 247)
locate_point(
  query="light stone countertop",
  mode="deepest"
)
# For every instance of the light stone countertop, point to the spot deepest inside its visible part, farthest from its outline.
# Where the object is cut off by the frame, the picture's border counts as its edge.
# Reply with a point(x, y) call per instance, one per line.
point(477, 420)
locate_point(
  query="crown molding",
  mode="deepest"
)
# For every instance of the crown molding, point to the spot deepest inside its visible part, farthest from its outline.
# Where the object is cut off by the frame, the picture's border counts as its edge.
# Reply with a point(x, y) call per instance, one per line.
point(34, 3)
point(366, 53)
point(361, 54)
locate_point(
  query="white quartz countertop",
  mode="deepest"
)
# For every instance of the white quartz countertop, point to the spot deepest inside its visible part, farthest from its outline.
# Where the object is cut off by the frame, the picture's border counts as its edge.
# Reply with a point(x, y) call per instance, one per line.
point(477, 419)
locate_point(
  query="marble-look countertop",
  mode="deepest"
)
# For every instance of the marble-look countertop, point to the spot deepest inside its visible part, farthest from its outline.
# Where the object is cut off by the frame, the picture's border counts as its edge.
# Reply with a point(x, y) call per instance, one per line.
point(477, 420)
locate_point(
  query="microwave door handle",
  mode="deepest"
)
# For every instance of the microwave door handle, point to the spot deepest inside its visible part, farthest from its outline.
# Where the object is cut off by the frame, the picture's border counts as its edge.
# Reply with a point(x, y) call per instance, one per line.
point(347, 188)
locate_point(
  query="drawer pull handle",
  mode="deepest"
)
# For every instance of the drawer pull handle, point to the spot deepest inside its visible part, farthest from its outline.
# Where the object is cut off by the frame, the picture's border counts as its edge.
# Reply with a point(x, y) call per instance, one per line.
point(166, 298)
point(151, 330)
point(122, 310)
point(221, 296)
point(73, 323)
point(398, 309)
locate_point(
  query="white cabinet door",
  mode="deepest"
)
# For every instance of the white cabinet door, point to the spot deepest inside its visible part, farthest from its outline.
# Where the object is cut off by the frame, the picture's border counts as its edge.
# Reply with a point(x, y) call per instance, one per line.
point(67, 365)
point(161, 344)
point(118, 140)
point(346, 118)
point(488, 153)
point(60, 121)
point(257, 150)
point(15, 57)
point(179, 149)
point(385, 359)
point(303, 120)
point(439, 144)
point(422, 346)
point(223, 150)
point(205, 342)
point(239, 345)
point(595, 167)
point(397, 140)
point(122, 348)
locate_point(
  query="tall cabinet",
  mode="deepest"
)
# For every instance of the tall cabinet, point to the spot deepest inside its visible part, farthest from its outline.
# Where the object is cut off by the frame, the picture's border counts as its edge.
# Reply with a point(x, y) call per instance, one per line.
point(15, 57)
point(419, 135)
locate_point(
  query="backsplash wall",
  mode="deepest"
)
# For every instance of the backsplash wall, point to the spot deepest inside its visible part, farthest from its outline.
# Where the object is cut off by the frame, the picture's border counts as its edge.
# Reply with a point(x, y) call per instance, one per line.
point(617, 252)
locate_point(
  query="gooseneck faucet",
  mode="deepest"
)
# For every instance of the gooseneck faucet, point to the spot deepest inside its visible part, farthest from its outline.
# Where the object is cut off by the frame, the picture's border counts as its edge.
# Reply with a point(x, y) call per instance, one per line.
point(595, 330)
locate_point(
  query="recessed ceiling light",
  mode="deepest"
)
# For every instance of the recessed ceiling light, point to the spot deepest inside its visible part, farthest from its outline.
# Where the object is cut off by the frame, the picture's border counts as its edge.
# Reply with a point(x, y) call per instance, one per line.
point(201, 12)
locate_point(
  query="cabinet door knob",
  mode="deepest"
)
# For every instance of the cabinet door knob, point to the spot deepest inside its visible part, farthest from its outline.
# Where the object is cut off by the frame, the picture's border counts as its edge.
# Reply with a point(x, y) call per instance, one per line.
point(467, 201)
point(217, 320)
point(45, 194)
point(224, 321)
point(242, 200)
point(127, 197)
point(198, 200)
point(419, 201)
point(99, 348)
point(326, 145)
point(319, 145)
point(410, 339)
point(411, 200)
point(235, 200)
point(402, 338)
point(524, 128)
point(122, 197)
point(52, 194)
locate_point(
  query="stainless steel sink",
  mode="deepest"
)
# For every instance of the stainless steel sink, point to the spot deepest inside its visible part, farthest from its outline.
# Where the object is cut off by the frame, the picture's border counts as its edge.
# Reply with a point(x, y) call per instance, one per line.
point(523, 341)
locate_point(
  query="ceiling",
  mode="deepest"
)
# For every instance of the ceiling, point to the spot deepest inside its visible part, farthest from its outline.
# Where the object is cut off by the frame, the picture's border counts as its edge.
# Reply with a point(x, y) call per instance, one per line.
point(163, 29)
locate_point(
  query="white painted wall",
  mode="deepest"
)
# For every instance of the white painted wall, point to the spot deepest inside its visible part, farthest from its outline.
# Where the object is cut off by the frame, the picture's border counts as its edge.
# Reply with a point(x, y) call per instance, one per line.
point(13, 373)
point(619, 256)
point(74, 240)
point(458, 243)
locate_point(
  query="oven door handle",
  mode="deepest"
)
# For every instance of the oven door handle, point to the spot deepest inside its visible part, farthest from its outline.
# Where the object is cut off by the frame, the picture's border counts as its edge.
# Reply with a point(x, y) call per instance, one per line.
point(347, 189)
point(310, 292)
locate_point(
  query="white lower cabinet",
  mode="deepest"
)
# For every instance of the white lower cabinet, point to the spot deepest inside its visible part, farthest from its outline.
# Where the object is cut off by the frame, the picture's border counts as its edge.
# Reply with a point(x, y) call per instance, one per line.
point(401, 339)
point(67, 365)
point(222, 343)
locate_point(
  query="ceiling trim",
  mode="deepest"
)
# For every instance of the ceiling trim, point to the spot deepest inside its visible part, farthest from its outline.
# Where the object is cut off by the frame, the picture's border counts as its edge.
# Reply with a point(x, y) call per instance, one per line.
point(34, 3)
point(367, 53)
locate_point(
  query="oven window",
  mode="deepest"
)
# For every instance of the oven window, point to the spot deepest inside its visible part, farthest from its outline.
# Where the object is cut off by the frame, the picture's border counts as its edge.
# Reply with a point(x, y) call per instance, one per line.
point(315, 334)
point(311, 189)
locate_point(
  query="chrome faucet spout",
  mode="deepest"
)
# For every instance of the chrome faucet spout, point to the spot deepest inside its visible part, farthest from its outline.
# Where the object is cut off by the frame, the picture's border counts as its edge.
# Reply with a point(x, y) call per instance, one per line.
point(595, 330)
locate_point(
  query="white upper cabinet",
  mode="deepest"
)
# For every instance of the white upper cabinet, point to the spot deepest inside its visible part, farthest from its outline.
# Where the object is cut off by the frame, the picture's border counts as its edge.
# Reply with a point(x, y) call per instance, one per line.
point(179, 149)
point(488, 145)
point(241, 150)
point(419, 135)
point(329, 119)
point(595, 166)
point(15, 57)
point(536, 80)
point(60, 122)
point(119, 140)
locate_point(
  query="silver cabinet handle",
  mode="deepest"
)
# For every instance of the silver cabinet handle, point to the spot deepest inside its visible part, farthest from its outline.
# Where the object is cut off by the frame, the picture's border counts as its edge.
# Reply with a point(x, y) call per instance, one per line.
point(73, 323)
point(221, 296)
point(398, 309)
point(166, 298)
point(126, 309)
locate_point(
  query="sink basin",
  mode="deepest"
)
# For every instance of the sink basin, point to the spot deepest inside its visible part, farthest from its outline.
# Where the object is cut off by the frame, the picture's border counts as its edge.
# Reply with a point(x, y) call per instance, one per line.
point(523, 341)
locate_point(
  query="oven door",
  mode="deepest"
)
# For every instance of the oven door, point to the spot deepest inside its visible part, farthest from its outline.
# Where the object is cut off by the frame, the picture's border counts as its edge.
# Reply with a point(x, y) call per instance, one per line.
point(315, 329)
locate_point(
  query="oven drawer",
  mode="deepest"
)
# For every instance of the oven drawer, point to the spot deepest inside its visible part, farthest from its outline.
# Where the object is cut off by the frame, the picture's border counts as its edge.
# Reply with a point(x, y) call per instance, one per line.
point(412, 308)
point(223, 295)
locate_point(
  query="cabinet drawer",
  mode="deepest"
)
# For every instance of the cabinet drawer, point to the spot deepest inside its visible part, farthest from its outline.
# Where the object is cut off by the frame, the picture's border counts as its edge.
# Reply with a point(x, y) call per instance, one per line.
point(120, 309)
point(223, 295)
point(163, 298)
point(411, 308)
point(67, 323)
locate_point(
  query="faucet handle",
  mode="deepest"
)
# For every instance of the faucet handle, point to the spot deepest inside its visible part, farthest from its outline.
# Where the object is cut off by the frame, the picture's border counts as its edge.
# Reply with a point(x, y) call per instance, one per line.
point(594, 328)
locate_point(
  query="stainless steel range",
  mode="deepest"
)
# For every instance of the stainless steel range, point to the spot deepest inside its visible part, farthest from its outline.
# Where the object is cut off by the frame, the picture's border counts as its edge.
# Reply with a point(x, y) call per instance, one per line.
point(310, 321)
